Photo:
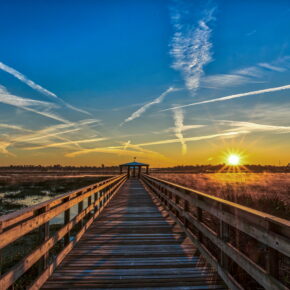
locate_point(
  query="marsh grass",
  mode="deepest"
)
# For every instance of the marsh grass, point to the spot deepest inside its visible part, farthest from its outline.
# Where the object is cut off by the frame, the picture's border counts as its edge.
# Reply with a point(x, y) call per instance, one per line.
point(18, 191)
point(267, 192)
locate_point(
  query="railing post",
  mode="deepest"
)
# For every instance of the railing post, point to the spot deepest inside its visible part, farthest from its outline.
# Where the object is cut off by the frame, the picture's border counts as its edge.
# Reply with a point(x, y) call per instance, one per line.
point(102, 201)
point(166, 192)
point(224, 233)
point(43, 237)
point(199, 217)
point(161, 196)
point(80, 209)
point(66, 221)
point(272, 258)
point(1, 251)
point(177, 203)
point(89, 203)
point(186, 210)
point(95, 199)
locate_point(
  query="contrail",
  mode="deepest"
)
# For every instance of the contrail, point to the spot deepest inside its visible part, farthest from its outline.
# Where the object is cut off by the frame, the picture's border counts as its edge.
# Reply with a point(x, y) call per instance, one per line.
point(39, 107)
point(37, 87)
point(190, 139)
point(126, 144)
point(141, 110)
point(61, 144)
point(230, 97)
point(178, 119)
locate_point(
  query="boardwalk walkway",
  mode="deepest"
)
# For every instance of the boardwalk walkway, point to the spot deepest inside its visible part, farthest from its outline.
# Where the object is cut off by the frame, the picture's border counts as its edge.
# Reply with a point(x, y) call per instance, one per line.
point(133, 244)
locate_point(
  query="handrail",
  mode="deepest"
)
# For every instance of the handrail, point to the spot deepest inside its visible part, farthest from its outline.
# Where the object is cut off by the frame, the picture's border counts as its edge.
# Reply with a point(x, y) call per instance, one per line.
point(189, 207)
point(22, 214)
point(16, 225)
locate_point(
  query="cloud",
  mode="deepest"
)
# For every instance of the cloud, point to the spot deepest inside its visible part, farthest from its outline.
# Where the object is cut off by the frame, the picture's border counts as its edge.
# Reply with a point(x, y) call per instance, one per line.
point(251, 71)
point(47, 137)
point(191, 48)
point(53, 131)
point(14, 127)
point(184, 128)
point(245, 75)
point(230, 97)
point(272, 67)
point(191, 139)
point(250, 33)
point(3, 148)
point(250, 127)
point(144, 108)
point(132, 150)
point(64, 144)
point(225, 80)
point(35, 106)
point(127, 144)
point(37, 87)
point(178, 129)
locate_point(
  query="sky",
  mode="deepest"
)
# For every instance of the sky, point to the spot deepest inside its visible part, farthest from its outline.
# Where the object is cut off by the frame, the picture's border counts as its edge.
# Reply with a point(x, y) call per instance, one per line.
point(168, 82)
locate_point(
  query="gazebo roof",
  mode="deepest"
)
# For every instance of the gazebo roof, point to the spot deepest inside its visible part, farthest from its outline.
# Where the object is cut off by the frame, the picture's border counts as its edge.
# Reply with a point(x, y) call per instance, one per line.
point(134, 164)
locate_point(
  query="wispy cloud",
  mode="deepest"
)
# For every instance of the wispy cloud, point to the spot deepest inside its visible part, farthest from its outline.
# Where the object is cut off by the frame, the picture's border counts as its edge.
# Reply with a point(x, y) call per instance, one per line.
point(145, 107)
point(52, 136)
point(53, 131)
point(184, 128)
point(3, 148)
point(39, 107)
point(37, 87)
point(65, 144)
point(250, 71)
point(246, 75)
point(131, 150)
point(191, 139)
point(272, 67)
point(14, 127)
point(191, 47)
point(230, 97)
point(126, 144)
point(255, 127)
point(178, 120)
point(225, 80)
point(250, 33)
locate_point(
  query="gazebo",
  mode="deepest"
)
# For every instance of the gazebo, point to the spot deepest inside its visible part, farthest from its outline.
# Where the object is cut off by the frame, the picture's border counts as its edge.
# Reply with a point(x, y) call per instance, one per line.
point(133, 165)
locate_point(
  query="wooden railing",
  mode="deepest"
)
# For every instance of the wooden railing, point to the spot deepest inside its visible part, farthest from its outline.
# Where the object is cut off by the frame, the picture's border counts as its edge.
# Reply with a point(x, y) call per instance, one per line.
point(19, 224)
point(227, 235)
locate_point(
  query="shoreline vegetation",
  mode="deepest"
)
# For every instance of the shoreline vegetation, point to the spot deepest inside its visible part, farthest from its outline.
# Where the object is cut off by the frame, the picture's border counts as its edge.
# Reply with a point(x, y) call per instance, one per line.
point(22, 190)
point(265, 189)
point(267, 192)
point(205, 168)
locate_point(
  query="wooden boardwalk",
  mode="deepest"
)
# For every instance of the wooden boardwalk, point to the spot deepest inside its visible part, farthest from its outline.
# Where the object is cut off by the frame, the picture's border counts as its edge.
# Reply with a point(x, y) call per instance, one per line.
point(134, 244)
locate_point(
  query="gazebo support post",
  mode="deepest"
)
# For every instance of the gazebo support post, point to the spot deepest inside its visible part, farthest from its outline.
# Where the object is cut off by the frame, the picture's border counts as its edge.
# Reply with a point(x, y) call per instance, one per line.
point(132, 168)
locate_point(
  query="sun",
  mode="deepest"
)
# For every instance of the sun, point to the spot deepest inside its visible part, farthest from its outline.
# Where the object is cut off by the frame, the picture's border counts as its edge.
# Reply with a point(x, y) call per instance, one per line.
point(234, 159)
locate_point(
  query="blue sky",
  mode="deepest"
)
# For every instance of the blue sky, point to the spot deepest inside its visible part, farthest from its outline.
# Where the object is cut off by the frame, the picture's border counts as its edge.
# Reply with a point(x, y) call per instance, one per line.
point(92, 82)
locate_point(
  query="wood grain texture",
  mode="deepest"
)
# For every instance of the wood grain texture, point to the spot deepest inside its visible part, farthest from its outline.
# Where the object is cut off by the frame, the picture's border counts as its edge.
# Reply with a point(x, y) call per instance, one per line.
point(134, 244)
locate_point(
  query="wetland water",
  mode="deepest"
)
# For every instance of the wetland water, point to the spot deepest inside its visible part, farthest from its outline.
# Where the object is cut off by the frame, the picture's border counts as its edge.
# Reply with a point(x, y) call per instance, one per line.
point(20, 191)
